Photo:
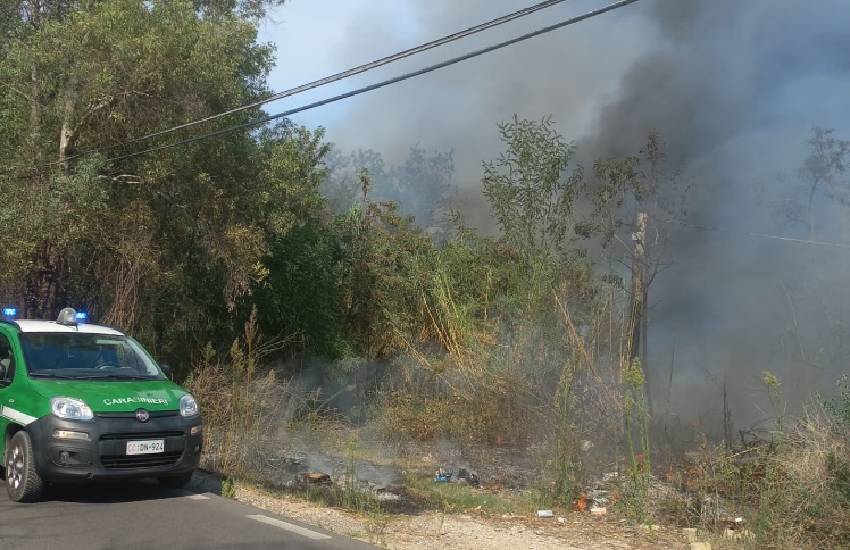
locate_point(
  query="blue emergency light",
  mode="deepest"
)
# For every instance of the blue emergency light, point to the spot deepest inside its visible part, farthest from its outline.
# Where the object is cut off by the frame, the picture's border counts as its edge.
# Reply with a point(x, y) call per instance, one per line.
point(10, 312)
point(81, 317)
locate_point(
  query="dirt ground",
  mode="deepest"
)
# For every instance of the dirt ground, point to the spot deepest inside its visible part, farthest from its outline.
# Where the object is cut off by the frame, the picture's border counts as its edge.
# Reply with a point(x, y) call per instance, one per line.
point(579, 531)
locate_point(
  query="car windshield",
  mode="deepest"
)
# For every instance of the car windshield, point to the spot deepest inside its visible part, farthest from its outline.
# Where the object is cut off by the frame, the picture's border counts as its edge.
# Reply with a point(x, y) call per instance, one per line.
point(84, 356)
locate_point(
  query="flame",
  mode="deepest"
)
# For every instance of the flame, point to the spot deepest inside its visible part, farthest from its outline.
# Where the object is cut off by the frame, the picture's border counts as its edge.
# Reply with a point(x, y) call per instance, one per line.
point(581, 503)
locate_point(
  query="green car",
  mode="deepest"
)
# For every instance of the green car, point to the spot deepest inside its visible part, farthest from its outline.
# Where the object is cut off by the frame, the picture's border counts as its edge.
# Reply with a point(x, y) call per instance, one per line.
point(81, 402)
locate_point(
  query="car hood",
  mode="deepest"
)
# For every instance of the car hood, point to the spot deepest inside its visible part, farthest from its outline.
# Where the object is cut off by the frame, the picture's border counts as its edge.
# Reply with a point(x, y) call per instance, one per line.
point(116, 396)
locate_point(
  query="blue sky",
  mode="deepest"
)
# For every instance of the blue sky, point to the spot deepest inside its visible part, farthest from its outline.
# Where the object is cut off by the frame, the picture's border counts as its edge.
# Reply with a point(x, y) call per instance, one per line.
point(312, 38)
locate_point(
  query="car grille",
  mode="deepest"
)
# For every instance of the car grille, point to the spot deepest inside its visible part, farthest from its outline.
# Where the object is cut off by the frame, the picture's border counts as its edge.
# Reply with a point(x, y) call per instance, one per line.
point(154, 414)
point(141, 461)
point(139, 436)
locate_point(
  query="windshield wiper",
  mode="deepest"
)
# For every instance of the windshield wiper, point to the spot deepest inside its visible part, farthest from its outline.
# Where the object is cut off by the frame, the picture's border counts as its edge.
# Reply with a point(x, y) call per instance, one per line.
point(70, 377)
point(93, 376)
point(52, 375)
point(76, 377)
point(115, 377)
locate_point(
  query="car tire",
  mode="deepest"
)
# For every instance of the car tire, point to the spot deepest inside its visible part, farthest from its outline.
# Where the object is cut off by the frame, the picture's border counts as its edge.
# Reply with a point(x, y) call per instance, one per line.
point(176, 481)
point(22, 480)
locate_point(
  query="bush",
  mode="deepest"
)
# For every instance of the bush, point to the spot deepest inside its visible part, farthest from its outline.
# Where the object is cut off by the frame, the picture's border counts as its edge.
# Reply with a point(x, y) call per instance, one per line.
point(490, 416)
point(795, 487)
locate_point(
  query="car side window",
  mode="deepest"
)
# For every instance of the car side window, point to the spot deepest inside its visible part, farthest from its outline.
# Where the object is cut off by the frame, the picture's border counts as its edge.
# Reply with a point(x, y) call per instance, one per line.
point(7, 362)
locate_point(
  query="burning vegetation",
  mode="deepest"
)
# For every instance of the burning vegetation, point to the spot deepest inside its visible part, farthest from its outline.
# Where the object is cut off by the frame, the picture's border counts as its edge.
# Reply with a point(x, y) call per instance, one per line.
point(513, 371)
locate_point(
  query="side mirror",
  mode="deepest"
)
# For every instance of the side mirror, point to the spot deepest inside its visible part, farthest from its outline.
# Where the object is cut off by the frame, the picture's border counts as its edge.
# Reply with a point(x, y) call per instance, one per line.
point(4, 371)
point(167, 370)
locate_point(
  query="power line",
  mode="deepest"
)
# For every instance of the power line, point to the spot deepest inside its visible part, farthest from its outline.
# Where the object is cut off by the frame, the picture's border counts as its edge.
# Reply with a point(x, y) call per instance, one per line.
point(801, 241)
point(360, 69)
point(372, 87)
point(363, 68)
point(769, 236)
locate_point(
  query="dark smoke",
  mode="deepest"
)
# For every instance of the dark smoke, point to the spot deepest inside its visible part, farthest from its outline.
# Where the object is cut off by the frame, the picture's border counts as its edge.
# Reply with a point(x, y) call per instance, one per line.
point(734, 88)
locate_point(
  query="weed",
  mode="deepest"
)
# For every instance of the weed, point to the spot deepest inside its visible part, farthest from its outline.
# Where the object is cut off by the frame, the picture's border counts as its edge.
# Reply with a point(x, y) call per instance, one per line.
point(460, 498)
point(839, 408)
point(228, 488)
point(636, 488)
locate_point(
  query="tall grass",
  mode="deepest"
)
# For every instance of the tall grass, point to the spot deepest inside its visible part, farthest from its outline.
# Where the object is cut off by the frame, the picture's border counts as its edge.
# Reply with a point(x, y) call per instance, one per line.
point(793, 488)
point(239, 400)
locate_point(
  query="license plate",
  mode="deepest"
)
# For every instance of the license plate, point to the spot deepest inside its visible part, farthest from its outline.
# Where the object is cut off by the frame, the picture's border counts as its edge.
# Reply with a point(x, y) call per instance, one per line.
point(145, 447)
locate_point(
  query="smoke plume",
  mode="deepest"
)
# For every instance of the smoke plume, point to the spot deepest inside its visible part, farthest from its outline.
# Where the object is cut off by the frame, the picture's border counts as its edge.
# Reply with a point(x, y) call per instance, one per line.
point(734, 89)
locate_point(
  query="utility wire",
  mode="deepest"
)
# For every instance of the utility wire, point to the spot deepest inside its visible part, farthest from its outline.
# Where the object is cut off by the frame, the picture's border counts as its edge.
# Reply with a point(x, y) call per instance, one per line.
point(475, 29)
point(372, 87)
point(365, 67)
point(769, 236)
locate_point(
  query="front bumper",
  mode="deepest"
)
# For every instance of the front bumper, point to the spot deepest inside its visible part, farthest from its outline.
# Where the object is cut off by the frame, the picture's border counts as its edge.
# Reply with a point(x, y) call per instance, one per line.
point(103, 455)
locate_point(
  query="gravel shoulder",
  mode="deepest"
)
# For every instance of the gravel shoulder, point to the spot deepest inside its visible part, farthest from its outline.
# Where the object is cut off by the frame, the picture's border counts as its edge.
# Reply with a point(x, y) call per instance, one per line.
point(432, 530)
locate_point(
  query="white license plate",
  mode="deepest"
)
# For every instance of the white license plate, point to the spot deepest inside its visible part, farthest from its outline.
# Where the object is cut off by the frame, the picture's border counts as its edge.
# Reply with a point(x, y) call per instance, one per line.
point(145, 447)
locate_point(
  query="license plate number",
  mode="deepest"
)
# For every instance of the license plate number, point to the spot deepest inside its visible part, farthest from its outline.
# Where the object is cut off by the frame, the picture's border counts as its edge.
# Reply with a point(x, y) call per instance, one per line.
point(145, 447)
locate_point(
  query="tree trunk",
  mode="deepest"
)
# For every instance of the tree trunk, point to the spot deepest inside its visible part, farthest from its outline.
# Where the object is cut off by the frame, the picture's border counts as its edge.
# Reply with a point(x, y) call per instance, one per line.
point(66, 134)
point(35, 105)
point(809, 217)
point(636, 314)
point(46, 286)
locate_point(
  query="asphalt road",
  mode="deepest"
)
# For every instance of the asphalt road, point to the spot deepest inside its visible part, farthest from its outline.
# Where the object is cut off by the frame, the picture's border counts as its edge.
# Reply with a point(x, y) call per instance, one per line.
point(142, 516)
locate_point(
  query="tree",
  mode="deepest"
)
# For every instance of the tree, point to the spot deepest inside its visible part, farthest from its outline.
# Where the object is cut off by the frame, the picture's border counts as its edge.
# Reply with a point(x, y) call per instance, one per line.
point(528, 188)
point(107, 72)
point(380, 280)
point(828, 159)
point(164, 245)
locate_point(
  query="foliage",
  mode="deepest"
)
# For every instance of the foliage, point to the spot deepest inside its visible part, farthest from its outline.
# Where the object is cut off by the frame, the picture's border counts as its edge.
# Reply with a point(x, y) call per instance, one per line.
point(301, 294)
point(228, 488)
point(636, 417)
point(839, 407)
point(527, 188)
point(163, 245)
point(791, 490)
point(823, 169)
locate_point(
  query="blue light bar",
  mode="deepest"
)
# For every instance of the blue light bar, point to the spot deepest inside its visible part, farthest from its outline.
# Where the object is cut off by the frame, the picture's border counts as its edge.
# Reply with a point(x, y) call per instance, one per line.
point(10, 312)
point(81, 317)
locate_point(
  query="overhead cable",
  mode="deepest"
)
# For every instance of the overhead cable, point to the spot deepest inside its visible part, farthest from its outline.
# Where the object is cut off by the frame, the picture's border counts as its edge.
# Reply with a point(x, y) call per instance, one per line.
point(360, 69)
point(381, 84)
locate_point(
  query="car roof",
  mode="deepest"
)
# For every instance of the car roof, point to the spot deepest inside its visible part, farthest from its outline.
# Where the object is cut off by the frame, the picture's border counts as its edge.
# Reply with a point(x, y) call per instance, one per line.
point(26, 325)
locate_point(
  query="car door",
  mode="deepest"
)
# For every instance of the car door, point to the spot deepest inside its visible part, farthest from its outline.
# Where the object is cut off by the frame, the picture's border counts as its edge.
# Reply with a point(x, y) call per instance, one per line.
point(7, 375)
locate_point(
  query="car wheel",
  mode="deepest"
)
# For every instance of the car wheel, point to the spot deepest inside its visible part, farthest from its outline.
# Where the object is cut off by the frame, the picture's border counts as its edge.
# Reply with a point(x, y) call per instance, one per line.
point(22, 481)
point(176, 481)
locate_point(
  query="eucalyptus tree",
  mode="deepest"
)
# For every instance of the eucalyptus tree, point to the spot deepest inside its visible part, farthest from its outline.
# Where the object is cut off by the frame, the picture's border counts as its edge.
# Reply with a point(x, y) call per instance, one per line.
point(161, 242)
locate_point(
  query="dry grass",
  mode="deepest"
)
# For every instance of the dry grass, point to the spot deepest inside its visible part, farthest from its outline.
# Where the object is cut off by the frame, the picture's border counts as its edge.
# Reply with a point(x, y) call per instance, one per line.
point(238, 403)
point(794, 490)
point(804, 494)
point(493, 417)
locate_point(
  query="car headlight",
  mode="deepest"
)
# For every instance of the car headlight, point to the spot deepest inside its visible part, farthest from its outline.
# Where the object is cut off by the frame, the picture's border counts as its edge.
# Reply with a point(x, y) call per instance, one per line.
point(188, 406)
point(70, 408)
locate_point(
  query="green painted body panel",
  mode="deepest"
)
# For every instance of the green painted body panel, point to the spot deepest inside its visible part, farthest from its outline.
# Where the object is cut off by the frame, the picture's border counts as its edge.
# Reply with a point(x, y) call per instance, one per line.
point(113, 396)
point(31, 397)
